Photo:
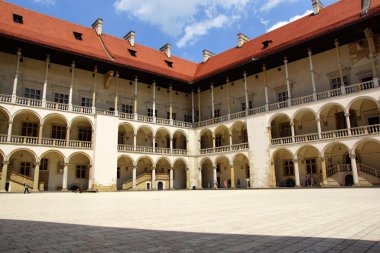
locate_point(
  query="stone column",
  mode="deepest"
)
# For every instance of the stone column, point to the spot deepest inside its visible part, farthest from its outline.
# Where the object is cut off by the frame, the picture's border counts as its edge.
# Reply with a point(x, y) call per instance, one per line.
point(154, 144)
point(15, 80)
point(354, 170)
point(324, 173)
point(312, 75)
point(288, 82)
point(372, 54)
point(292, 129)
point(296, 172)
point(273, 172)
point(45, 81)
point(199, 106)
point(154, 178)
point(71, 87)
point(116, 95)
point(171, 179)
point(10, 123)
point(213, 141)
point(135, 99)
point(4, 175)
point(266, 88)
point(134, 141)
point(188, 178)
point(94, 90)
point(231, 140)
point(199, 178)
point(154, 102)
point(342, 86)
point(212, 102)
point(214, 178)
point(65, 176)
point(228, 98)
point(348, 122)
point(192, 108)
point(171, 145)
point(232, 177)
point(170, 105)
point(90, 177)
point(40, 128)
point(246, 93)
point(68, 135)
point(134, 178)
point(319, 128)
point(36, 177)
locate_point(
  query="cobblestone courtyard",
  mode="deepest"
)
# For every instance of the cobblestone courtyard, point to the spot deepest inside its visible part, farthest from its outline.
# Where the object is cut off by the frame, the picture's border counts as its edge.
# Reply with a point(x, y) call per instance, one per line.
point(304, 220)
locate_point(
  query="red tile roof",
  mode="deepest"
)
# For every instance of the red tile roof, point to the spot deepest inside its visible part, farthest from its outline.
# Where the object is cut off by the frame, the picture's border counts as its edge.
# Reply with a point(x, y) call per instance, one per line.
point(52, 32)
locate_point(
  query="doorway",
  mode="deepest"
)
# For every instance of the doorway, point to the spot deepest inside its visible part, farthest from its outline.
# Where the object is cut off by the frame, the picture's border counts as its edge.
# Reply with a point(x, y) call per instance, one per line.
point(348, 180)
point(160, 186)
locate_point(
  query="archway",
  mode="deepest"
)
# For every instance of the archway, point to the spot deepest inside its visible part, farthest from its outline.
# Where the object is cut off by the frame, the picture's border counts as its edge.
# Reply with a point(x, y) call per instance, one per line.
point(179, 140)
point(145, 137)
point(283, 168)
point(125, 134)
point(223, 172)
point(305, 122)
point(337, 165)
point(179, 174)
point(4, 122)
point(144, 168)
point(309, 166)
point(280, 126)
point(239, 133)
point(241, 171)
point(26, 123)
point(124, 172)
point(222, 136)
point(332, 117)
point(80, 132)
point(364, 112)
point(207, 174)
point(206, 139)
point(162, 139)
point(368, 160)
point(21, 169)
point(79, 172)
point(51, 170)
point(54, 129)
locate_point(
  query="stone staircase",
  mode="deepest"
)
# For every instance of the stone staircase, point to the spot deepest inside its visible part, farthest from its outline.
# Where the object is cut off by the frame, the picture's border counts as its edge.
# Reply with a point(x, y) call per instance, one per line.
point(365, 171)
point(17, 181)
point(143, 178)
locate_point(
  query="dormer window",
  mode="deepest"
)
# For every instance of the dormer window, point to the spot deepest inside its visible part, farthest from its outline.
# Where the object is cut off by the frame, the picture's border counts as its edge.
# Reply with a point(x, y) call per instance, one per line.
point(18, 19)
point(78, 36)
point(266, 43)
point(133, 53)
point(169, 63)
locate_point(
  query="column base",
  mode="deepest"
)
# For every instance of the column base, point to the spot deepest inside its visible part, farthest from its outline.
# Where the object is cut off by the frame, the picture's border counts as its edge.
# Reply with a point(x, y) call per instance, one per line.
point(64, 190)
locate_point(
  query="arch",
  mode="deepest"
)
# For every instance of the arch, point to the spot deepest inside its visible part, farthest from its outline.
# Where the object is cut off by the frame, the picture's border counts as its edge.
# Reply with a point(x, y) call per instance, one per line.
point(27, 111)
point(275, 153)
point(53, 151)
point(122, 124)
point(163, 158)
point(79, 118)
point(362, 142)
point(204, 131)
point(206, 138)
point(204, 160)
point(144, 126)
point(143, 157)
point(237, 123)
point(242, 172)
point(6, 112)
point(282, 168)
point(304, 110)
point(221, 157)
point(333, 144)
point(163, 129)
point(221, 128)
point(328, 105)
point(127, 157)
point(2, 155)
point(304, 148)
point(22, 149)
point(180, 131)
point(356, 99)
point(237, 155)
point(47, 117)
point(180, 160)
point(274, 116)
point(79, 153)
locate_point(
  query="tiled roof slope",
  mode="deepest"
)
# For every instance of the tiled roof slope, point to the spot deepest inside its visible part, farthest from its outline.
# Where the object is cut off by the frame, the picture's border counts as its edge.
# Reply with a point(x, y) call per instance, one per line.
point(336, 15)
point(52, 32)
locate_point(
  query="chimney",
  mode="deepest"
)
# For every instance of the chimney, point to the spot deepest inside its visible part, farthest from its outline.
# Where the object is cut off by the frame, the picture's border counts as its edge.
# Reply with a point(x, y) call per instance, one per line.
point(207, 55)
point(130, 37)
point(242, 39)
point(166, 49)
point(317, 6)
point(98, 26)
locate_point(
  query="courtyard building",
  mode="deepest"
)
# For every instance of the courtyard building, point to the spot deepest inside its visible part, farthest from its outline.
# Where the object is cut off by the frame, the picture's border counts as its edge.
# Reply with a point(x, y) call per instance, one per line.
point(296, 107)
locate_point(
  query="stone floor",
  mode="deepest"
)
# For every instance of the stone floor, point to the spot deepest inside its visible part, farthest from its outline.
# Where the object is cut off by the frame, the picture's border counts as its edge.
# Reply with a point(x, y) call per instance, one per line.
point(286, 220)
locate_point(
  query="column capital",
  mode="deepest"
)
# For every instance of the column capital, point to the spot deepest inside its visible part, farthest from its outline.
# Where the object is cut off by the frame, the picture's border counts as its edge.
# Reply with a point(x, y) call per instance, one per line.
point(212, 86)
point(10, 122)
point(292, 123)
point(264, 67)
point(285, 60)
point(245, 74)
point(5, 162)
point(47, 58)
point(336, 43)
point(322, 158)
point(318, 119)
point(309, 52)
point(96, 69)
point(368, 32)
point(117, 74)
point(228, 80)
point(37, 163)
point(295, 160)
point(347, 114)
point(19, 52)
point(73, 64)
point(66, 164)
point(352, 156)
point(136, 79)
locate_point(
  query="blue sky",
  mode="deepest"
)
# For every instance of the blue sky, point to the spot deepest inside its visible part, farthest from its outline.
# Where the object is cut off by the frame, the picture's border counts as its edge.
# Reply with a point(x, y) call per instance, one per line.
point(189, 25)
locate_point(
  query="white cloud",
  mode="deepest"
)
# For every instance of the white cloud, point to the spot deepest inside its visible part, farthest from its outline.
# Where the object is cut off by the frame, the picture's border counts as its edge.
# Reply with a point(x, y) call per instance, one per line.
point(184, 19)
point(282, 23)
point(47, 2)
point(270, 4)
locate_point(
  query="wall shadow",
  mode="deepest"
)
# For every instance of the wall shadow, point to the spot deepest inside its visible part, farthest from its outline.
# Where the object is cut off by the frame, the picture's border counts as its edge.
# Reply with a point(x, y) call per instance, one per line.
point(33, 236)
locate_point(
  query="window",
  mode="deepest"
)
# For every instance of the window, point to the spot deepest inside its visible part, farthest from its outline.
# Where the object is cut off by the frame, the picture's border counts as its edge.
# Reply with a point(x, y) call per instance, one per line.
point(58, 132)
point(218, 141)
point(288, 168)
point(243, 105)
point(218, 168)
point(25, 168)
point(174, 115)
point(44, 164)
point(311, 166)
point(217, 113)
point(150, 112)
point(18, 19)
point(133, 53)
point(169, 63)
point(29, 129)
point(78, 36)
point(84, 134)
point(120, 138)
point(126, 108)
point(32, 93)
point(61, 98)
point(336, 82)
point(86, 102)
point(188, 118)
point(282, 96)
point(81, 171)
point(373, 120)
point(266, 43)
point(285, 130)
point(118, 172)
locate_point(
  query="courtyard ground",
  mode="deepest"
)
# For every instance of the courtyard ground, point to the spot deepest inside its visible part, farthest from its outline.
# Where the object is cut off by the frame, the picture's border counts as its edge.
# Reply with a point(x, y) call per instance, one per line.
point(286, 220)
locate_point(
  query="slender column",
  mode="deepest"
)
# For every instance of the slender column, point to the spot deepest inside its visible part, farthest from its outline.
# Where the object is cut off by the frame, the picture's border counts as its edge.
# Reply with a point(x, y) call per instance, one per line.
point(135, 102)
point(65, 175)
point(230, 139)
point(45, 81)
point(213, 141)
point(171, 145)
point(117, 95)
point(154, 102)
point(40, 128)
point(348, 122)
point(94, 90)
point(134, 178)
point(67, 135)
point(199, 178)
point(4, 175)
point(342, 86)
point(212, 101)
point(153, 178)
point(10, 123)
point(170, 105)
point(312, 75)
point(288, 82)
point(36, 177)
point(246, 94)
point(188, 178)
point(199, 106)
point(134, 141)
point(324, 173)
point(292, 129)
point(273, 172)
point(71, 87)
point(192, 107)
point(232, 177)
point(171, 179)
point(154, 144)
point(354, 170)
point(228, 98)
point(15, 81)
point(214, 177)
point(372, 54)
point(266, 88)
point(90, 177)
point(319, 128)
point(296, 172)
